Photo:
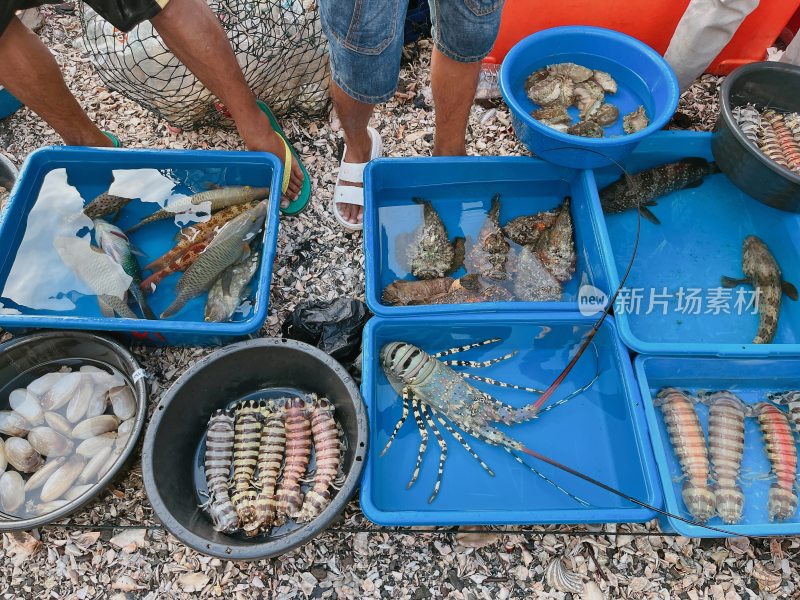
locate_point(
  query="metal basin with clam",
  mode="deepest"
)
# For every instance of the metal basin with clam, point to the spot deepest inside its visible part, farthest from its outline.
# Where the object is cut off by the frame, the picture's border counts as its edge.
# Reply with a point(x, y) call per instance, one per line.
point(72, 407)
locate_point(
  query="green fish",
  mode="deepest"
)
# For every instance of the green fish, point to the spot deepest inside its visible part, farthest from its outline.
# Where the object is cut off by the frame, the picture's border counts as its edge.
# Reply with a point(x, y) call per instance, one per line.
point(229, 246)
point(214, 199)
point(225, 295)
point(117, 245)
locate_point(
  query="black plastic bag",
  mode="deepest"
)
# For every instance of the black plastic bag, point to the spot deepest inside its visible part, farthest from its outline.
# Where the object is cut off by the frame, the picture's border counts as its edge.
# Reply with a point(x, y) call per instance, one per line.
point(333, 327)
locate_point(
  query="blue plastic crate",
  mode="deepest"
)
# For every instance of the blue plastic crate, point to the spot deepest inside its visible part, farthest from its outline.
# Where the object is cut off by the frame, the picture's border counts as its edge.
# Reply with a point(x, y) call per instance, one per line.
point(461, 190)
point(90, 173)
point(601, 431)
point(699, 240)
point(8, 103)
point(750, 379)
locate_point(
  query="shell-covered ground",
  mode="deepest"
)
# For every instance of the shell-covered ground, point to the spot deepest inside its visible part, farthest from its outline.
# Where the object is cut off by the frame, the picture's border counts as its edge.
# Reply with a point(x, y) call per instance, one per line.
point(116, 548)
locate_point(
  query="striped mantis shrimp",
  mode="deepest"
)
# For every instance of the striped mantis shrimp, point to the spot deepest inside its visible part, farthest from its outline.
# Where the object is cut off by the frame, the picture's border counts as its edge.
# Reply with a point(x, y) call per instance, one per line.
point(433, 391)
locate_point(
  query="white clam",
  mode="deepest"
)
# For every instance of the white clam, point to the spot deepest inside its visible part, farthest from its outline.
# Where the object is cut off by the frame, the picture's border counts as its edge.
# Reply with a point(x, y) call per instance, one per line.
point(3, 459)
point(59, 423)
point(77, 492)
point(26, 404)
point(22, 456)
point(79, 403)
point(37, 479)
point(62, 392)
point(95, 426)
point(39, 387)
point(62, 479)
point(123, 402)
point(12, 423)
point(94, 465)
point(88, 448)
point(12, 492)
point(49, 442)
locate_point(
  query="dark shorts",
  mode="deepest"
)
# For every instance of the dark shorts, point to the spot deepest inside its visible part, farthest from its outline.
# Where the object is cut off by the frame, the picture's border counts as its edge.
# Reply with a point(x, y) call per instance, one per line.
point(122, 14)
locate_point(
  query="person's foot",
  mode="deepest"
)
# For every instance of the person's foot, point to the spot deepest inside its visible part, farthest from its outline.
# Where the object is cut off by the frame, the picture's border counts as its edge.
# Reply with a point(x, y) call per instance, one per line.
point(358, 150)
point(266, 139)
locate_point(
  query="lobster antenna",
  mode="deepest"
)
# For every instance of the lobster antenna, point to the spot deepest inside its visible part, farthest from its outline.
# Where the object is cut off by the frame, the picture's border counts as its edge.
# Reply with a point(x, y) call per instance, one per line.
point(596, 327)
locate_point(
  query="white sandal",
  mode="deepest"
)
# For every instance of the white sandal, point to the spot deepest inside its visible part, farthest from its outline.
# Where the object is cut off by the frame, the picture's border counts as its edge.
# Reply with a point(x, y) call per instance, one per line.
point(353, 172)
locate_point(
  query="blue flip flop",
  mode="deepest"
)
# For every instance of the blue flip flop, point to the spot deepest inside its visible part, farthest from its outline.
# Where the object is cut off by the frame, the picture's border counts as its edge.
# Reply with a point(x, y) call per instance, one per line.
point(299, 205)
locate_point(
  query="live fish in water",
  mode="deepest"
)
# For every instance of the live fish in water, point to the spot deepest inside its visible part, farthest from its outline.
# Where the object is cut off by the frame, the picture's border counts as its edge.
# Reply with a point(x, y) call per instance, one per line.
point(270, 460)
point(218, 459)
point(298, 455)
point(726, 416)
point(183, 262)
point(432, 255)
point(209, 201)
point(644, 187)
point(782, 453)
point(761, 270)
point(532, 281)
point(430, 389)
point(489, 254)
point(689, 445)
point(556, 246)
point(470, 289)
point(228, 247)
point(226, 294)
point(635, 121)
point(328, 453)
point(247, 437)
point(105, 204)
point(406, 293)
point(527, 229)
point(116, 244)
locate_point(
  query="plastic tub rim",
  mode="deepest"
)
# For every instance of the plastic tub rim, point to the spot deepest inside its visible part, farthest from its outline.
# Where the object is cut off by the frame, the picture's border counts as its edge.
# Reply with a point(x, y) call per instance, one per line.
point(569, 140)
point(296, 538)
point(133, 439)
point(727, 115)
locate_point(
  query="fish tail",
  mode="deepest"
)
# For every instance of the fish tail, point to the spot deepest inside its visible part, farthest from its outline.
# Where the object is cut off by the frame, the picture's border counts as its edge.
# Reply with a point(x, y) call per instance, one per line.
point(157, 216)
point(154, 279)
point(140, 300)
point(176, 306)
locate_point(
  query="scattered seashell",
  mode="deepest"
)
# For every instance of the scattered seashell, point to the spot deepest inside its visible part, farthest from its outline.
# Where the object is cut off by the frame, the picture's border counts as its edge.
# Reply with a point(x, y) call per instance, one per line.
point(22, 456)
point(62, 392)
point(77, 492)
point(48, 442)
point(39, 387)
point(12, 492)
point(3, 459)
point(606, 115)
point(560, 579)
point(95, 426)
point(93, 445)
point(60, 481)
point(14, 424)
point(27, 405)
point(37, 479)
point(635, 121)
point(79, 403)
point(123, 402)
point(592, 592)
point(605, 81)
point(59, 423)
point(94, 465)
point(577, 73)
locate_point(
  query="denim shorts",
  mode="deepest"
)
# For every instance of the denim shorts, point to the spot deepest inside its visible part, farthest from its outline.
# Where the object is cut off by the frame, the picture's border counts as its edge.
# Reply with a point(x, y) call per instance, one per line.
point(366, 39)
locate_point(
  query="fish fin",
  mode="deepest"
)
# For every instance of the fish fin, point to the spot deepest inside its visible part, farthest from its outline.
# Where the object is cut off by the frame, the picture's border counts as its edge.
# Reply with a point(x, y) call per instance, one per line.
point(648, 214)
point(732, 282)
point(212, 186)
point(789, 290)
point(105, 309)
point(694, 184)
point(136, 251)
point(459, 252)
point(713, 168)
point(697, 161)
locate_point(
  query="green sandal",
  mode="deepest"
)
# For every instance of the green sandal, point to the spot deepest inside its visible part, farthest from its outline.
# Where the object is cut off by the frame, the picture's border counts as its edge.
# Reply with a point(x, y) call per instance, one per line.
point(299, 205)
point(114, 139)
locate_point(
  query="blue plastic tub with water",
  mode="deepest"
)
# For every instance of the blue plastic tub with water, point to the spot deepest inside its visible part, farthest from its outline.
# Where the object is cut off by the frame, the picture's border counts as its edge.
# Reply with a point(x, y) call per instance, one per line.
point(37, 290)
point(600, 432)
point(750, 379)
point(643, 77)
point(699, 240)
point(461, 191)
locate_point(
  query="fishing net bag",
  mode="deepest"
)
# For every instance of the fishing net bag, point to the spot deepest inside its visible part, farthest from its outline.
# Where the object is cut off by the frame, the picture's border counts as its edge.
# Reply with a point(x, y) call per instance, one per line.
point(279, 45)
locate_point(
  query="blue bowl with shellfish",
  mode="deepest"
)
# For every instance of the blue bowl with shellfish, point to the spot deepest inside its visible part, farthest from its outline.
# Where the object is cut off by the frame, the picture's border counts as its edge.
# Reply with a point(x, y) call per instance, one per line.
point(643, 79)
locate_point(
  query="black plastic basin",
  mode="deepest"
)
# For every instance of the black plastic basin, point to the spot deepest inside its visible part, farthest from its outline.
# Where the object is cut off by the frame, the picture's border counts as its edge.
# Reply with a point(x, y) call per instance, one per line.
point(180, 420)
point(765, 84)
point(31, 353)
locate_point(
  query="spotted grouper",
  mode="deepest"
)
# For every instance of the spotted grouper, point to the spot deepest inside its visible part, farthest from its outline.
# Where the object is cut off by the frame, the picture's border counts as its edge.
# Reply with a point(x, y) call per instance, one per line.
point(489, 254)
point(431, 254)
point(644, 187)
point(761, 270)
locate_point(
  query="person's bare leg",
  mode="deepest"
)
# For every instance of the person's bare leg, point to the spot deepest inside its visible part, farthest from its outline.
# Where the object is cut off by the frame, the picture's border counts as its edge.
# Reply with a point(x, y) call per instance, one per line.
point(355, 117)
point(454, 84)
point(194, 35)
point(31, 74)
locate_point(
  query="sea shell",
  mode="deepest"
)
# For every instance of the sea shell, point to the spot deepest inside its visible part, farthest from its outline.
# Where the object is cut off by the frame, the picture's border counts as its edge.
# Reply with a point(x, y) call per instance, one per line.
point(60, 481)
point(112, 460)
point(95, 426)
point(22, 456)
point(606, 114)
point(588, 98)
point(123, 402)
point(79, 403)
point(12, 423)
point(12, 492)
point(77, 492)
point(93, 467)
point(39, 387)
point(124, 430)
point(46, 507)
point(59, 423)
point(48, 442)
point(93, 445)
point(37, 479)
point(3, 459)
point(26, 404)
point(62, 392)
point(577, 73)
point(605, 81)
point(635, 121)
point(559, 578)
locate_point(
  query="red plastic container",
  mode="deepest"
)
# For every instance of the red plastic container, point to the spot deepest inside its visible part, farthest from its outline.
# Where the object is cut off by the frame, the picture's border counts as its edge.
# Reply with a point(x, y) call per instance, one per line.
point(651, 21)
